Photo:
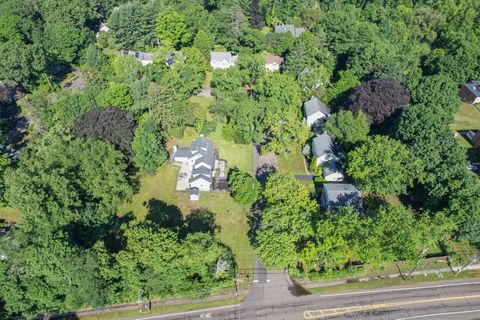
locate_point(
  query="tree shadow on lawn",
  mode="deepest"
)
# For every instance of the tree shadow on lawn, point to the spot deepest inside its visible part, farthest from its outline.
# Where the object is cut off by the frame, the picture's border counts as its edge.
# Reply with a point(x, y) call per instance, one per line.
point(200, 220)
point(163, 214)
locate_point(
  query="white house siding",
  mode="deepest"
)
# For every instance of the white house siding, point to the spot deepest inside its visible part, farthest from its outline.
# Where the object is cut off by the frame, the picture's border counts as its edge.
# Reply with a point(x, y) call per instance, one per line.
point(314, 117)
point(334, 177)
point(221, 64)
point(201, 184)
point(272, 67)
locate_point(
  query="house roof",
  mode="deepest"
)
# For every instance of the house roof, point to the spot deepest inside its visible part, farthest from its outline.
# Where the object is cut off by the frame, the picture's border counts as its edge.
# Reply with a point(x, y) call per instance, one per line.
point(322, 145)
point(205, 177)
point(182, 152)
point(271, 59)
point(203, 147)
point(313, 106)
point(222, 56)
point(331, 167)
point(142, 56)
point(284, 28)
point(194, 191)
point(474, 87)
point(342, 195)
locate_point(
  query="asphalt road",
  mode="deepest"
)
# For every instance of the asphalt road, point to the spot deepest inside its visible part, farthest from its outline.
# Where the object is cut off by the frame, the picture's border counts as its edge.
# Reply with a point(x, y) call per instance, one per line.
point(275, 297)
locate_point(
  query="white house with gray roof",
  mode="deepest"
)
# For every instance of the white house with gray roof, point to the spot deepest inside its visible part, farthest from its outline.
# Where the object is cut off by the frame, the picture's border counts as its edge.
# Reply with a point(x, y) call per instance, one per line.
point(470, 92)
point(338, 195)
point(323, 149)
point(145, 58)
point(314, 110)
point(198, 165)
point(222, 60)
point(284, 28)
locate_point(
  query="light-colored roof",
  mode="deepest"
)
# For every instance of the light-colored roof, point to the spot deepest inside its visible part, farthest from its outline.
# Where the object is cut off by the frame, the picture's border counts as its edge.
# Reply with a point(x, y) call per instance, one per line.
point(142, 56)
point(223, 56)
point(313, 106)
point(284, 28)
point(322, 145)
point(270, 59)
point(342, 195)
point(474, 87)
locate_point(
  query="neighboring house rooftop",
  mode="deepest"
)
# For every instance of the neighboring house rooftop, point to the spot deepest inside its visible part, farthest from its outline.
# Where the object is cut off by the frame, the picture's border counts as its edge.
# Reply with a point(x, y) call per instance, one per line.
point(331, 167)
point(337, 195)
point(223, 56)
point(284, 28)
point(313, 106)
point(474, 88)
point(182, 152)
point(271, 59)
point(140, 56)
point(322, 145)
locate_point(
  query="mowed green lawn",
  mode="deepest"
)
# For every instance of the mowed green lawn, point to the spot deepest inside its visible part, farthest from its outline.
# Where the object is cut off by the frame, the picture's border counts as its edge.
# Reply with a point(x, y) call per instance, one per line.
point(292, 162)
point(229, 216)
point(9, 214)
point(467, 118)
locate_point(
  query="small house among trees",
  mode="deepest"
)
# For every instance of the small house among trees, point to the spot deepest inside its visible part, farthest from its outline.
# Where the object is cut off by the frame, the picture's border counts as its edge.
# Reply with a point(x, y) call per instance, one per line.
point(272, 63)
point(222, 60)
point(339, 195)
point(144, 58)
point(470, 92)
point(314, 110)
point(323, 150)
point(284, 28)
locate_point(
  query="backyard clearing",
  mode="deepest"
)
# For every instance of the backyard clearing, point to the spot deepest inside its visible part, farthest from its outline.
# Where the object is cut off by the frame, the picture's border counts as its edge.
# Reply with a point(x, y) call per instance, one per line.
point(467, 118)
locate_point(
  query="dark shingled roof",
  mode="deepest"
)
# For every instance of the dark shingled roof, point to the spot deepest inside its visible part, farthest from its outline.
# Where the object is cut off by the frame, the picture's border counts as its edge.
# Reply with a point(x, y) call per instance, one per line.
point(474, 87)
point(341, 195)
point(322, 145)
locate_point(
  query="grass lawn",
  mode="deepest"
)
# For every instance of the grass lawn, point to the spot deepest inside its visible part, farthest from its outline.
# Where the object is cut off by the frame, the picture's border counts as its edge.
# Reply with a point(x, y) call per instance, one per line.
point(374, 284)
point(292, 162)
point(9, 214)
point(467, 118)
point(162, 309)
point(229, 216)
point(207, 84)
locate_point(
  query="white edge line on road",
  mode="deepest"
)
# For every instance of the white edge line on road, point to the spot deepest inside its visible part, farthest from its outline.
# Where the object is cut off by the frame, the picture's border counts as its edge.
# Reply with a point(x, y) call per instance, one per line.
point(188, 312)
point(398, 289)
point(440, 314)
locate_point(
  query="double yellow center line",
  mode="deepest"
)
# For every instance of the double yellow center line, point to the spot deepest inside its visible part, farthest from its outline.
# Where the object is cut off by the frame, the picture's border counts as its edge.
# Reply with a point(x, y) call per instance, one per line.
point(324, 313)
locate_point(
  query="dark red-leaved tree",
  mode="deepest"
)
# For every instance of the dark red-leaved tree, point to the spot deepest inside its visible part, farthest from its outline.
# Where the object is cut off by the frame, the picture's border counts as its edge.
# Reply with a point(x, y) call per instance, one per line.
point(379, 99)
point(256, 16)
point(110, 124)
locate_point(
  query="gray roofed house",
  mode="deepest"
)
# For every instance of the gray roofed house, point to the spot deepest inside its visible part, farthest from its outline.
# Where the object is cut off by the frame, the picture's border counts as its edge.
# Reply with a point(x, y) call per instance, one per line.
point(314, 110)
point(198, 164)
point(284, 28)
point(332, 171)
point(337, 195)
point(222, 60)
point(194, 194)
point(145, 58)
point(323, 148)
point(470, 92)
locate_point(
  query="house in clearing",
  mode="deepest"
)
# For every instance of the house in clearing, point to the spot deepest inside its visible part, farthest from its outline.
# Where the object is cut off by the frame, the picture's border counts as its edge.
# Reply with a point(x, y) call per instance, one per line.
point(222, 60)
point(470, 92)
point(272, 63)
point(314, 110)
point(198, 165)
point(338, 195)
point(284, 28)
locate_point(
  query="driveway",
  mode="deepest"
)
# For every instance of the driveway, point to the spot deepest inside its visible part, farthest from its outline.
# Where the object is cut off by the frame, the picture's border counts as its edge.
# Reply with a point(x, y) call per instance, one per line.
point(184, 176)
point(263, 165)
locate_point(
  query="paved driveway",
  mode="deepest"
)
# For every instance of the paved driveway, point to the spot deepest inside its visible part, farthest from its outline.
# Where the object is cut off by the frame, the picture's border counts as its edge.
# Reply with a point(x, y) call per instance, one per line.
point(184, 176)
